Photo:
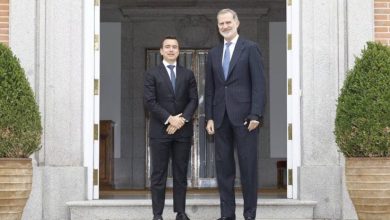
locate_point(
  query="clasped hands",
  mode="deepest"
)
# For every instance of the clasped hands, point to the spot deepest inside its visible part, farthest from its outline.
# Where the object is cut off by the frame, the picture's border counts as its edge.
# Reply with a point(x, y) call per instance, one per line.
point(175, 123)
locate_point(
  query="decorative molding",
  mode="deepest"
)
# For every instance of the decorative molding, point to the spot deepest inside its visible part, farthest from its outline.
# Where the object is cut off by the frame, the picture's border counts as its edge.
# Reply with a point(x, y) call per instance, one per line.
point(194, 30)
point(161, 13)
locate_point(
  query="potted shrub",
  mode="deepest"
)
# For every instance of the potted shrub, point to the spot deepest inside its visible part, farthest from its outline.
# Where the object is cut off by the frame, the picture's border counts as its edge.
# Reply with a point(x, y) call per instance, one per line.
point(20, 135)
point(362, 130)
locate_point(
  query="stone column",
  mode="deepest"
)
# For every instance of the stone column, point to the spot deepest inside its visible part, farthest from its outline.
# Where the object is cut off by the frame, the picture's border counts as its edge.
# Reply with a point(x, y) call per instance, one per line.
point(332, 34)
point(47, 36)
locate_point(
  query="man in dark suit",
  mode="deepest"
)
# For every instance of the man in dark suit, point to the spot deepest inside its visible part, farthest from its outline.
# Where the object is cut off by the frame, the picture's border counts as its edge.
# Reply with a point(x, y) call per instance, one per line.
point(234, 103)
point(171, 97)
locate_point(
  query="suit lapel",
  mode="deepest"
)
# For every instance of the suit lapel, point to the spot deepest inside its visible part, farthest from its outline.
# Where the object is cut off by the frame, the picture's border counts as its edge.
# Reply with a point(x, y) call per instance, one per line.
point(219, 60)
point(164, 74)
point(179, 77)
point(236, 54)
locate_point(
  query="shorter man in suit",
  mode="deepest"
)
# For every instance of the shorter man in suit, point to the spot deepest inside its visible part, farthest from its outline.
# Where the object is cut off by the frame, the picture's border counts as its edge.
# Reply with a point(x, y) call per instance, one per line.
point(171, 97)
point(234, 105)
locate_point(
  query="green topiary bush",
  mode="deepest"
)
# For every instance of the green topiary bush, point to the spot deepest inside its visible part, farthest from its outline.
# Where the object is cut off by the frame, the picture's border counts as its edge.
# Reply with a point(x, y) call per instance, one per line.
point(362, 125)
point(20, 122)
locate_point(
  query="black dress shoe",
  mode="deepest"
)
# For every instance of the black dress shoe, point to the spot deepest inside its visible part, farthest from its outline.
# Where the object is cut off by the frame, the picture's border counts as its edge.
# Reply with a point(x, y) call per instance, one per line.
point(157, 217)
point(182, 216)
point(227, 218)
point(249, 218)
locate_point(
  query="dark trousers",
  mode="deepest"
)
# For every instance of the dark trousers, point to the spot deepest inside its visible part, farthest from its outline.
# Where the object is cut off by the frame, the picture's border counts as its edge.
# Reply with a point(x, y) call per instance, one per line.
point(161, 152)
point(226, 138)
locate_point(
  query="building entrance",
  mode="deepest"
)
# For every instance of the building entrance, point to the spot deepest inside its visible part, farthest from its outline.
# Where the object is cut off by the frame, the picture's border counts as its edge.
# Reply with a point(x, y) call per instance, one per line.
point(129, 46)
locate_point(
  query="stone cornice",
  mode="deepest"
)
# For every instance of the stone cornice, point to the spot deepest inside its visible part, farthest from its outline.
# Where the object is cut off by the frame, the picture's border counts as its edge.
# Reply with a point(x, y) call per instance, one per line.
point(161, 13)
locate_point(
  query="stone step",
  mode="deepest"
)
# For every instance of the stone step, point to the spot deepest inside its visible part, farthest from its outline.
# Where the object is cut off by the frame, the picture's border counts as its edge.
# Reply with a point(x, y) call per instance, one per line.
point(197, 209)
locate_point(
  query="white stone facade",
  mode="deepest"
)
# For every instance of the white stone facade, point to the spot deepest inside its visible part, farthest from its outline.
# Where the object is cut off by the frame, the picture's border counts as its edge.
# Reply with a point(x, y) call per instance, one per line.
point(47, 36)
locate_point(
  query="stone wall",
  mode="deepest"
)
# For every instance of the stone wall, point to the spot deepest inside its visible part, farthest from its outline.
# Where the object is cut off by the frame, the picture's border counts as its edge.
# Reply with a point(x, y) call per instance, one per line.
point(47, 37)
point(382, 21)
point(332, 35)
point(4, 21)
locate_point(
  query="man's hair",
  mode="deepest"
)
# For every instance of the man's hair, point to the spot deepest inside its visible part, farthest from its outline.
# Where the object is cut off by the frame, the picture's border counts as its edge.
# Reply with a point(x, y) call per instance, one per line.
point(228, 10)
point(170, 37)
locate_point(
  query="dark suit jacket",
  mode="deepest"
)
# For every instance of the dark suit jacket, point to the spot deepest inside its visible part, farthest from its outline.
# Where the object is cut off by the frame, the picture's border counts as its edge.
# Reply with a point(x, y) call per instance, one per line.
point(161, 101)
point(242, 94)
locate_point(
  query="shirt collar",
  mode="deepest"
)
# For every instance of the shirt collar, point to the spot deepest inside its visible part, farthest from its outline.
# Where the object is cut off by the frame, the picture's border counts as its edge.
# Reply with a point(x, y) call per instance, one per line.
point(166, 64)
point(234, 41)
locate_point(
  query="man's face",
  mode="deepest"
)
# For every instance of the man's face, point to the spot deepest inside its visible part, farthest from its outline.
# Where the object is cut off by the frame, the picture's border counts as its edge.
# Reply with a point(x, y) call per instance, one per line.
point(227, 26)
point(170, 50)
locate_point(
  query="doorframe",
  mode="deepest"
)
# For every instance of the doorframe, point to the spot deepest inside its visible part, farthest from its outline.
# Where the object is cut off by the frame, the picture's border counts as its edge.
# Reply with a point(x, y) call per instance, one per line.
point(91, 100)
point(91, 97)
point(96, 93)
point(293, 97)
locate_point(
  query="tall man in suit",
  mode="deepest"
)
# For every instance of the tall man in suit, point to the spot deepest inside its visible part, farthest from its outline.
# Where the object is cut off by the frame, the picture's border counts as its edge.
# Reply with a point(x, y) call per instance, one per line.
point(171, 97)
point(234, 103)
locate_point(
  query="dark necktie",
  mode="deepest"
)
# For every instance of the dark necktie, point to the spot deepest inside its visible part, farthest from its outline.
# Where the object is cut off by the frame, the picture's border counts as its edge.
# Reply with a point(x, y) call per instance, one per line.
point(226, 59)
point(173, 77)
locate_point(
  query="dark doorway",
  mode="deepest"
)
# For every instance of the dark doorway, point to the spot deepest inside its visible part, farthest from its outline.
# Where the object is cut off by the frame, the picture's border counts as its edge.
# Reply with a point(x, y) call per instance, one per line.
point(142, 25)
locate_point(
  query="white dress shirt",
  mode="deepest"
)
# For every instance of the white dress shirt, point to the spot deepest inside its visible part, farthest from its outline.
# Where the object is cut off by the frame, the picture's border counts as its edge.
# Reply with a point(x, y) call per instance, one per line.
point(231, 47)
point(168, 70)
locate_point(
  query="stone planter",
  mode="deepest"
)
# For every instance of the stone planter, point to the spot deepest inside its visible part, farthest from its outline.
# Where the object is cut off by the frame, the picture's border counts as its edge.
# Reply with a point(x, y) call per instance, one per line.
point(15, 186)
point(368, 184)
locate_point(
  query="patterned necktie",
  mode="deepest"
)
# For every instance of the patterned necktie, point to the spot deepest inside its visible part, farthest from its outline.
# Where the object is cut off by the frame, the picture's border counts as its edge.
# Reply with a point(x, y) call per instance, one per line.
point(173, 77)
point(226, 59)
